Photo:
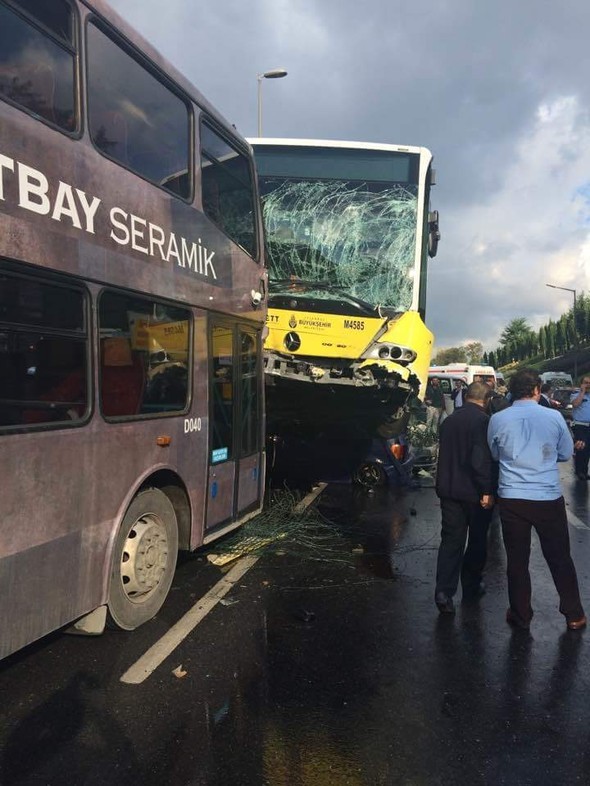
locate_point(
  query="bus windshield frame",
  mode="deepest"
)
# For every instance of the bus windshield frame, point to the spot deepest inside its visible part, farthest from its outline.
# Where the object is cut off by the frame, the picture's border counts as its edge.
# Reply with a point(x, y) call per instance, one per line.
point(345, 217)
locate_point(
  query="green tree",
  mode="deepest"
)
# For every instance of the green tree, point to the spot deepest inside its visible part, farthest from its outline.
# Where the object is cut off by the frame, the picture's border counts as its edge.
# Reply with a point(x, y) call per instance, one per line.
point(570, 331)
point(450, 355)
point(559, 337)
point(582, 307)
point(542, 342)
point(516, 333)
point(474, 351)
point(551, 339)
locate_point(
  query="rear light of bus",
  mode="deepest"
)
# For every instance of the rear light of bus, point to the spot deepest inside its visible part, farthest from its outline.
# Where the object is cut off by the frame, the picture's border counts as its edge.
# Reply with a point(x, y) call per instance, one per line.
point(163, 441)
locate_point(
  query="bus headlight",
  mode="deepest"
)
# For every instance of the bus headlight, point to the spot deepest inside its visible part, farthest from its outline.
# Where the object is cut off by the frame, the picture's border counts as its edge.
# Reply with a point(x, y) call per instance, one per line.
point(385, 351)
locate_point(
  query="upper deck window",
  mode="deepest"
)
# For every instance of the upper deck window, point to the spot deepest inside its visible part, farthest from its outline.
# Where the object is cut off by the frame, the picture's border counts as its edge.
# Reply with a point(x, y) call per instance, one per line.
point(134, 118)
point(228, 189)
point(37, 59)
point(55, 15)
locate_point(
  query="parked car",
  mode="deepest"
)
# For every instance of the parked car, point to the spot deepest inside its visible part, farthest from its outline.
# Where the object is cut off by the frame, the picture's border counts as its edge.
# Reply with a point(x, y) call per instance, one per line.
point(371, 462)
point(422, 443)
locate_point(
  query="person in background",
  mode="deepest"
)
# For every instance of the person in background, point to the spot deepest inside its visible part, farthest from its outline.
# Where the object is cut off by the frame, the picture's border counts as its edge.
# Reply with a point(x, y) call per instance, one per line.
point(457, 394)
point(466, 484)
point(528, 440)
point(581, 428)
point(545, 397)
point(435, 403)
point(495, 402)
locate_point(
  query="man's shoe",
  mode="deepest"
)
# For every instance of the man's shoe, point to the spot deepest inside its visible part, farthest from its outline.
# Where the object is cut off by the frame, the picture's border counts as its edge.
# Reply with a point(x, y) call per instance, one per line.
point(577, 624)
point(444, 603)
point(513, 619)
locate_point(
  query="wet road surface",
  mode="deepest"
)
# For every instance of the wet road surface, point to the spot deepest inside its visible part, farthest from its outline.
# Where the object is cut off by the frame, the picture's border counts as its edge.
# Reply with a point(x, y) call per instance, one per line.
point(327, 665)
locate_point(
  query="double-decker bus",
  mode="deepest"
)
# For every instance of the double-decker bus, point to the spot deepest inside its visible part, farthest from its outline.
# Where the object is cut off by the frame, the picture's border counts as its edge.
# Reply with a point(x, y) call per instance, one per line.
point(132, 305)
point(349, 232)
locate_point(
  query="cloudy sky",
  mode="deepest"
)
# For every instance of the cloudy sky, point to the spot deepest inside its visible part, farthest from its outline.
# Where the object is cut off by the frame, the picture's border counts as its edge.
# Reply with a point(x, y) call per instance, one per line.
point(499, 91)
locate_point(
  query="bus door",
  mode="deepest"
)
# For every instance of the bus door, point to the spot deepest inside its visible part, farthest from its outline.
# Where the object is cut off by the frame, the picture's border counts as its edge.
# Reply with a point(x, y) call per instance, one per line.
point(235, 447)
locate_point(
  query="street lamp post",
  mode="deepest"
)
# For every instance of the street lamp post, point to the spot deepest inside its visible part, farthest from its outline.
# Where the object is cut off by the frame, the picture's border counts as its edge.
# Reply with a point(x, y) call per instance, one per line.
point(567, 289)
point(275, 73)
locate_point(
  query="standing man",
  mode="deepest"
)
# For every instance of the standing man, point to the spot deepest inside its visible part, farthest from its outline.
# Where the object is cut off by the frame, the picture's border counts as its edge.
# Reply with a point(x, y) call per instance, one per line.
point(435, 403)
point(581, 427)
point(457, 394)
point(495, 402)
point(466, 484)
point(528, 441)
point(545, 397)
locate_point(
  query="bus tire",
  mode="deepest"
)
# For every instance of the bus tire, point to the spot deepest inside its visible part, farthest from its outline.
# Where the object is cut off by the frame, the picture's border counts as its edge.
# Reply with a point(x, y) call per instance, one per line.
point(144, 560)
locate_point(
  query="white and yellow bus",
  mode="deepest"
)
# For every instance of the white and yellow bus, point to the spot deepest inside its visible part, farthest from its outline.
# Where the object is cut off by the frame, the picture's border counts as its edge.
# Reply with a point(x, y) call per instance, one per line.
point(349, 232)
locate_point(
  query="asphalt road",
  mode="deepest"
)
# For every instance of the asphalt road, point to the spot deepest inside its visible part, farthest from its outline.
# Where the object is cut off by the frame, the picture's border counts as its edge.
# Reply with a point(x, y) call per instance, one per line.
point(326, 663)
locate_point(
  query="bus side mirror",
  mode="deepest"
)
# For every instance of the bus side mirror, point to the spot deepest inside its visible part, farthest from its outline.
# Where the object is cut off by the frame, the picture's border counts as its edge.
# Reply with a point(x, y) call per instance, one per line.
point(433, 233)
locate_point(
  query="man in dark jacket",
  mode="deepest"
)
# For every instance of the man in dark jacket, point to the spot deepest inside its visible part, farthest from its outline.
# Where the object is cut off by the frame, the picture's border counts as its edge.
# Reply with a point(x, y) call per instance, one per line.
point(495, 402)
point(545, 397)
point(457, 394)
point(466, 483)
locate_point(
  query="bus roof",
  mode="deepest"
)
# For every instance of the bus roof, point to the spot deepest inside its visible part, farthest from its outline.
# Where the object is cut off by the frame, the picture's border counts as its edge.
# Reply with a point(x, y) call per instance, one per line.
point(339, 143)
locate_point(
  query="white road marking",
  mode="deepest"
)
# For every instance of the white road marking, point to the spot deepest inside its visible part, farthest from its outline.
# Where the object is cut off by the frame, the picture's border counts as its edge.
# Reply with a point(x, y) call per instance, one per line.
point(158, 653)
point(148, 662)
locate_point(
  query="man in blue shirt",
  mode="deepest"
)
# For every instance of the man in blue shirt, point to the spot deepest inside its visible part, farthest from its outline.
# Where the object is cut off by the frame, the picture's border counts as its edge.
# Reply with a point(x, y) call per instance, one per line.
point(528, 440)
point(581, 427)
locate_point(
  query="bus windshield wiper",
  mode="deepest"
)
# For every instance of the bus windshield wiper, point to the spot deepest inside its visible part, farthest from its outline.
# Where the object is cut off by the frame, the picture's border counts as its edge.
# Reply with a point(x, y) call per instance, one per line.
point(339, 291)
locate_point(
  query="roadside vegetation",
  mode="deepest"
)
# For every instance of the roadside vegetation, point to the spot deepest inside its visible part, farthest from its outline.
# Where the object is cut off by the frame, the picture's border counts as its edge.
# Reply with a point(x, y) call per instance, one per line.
point(560, 345)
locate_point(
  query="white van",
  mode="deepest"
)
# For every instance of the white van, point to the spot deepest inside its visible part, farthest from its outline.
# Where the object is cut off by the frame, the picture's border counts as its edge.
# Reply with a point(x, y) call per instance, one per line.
point(557, 379)
point(464, 372)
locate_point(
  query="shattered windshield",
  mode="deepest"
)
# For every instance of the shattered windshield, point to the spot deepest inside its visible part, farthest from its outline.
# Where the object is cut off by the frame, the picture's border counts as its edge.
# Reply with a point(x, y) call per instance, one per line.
point(343, 218)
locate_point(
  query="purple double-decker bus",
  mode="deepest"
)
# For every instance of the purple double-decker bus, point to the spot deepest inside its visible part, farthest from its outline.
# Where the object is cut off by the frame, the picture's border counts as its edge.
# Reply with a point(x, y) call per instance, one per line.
point(132, 305)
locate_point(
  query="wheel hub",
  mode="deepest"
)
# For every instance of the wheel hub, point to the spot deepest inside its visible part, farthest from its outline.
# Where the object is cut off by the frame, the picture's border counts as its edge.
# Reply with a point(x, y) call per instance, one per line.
point(144, 557)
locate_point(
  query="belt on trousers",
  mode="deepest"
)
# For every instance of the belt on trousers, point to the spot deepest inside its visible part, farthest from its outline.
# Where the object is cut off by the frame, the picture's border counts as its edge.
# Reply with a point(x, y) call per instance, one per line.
point(579, 423)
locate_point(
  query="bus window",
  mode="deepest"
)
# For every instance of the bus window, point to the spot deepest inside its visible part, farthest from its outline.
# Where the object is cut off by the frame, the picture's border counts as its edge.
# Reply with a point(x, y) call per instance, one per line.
point(43, 353)
point(37, 64)
point(228, 196)
point(144, 356)
point(134, 119)
point(222, 393)
point(249, 410)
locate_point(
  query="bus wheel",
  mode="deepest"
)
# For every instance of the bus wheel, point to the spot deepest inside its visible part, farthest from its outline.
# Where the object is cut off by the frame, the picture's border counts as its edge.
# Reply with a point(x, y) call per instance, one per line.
point(144, 560)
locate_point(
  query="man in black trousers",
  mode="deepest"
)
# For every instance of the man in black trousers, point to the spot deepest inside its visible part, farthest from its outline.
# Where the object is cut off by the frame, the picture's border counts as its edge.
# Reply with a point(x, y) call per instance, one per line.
point(466, 481)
